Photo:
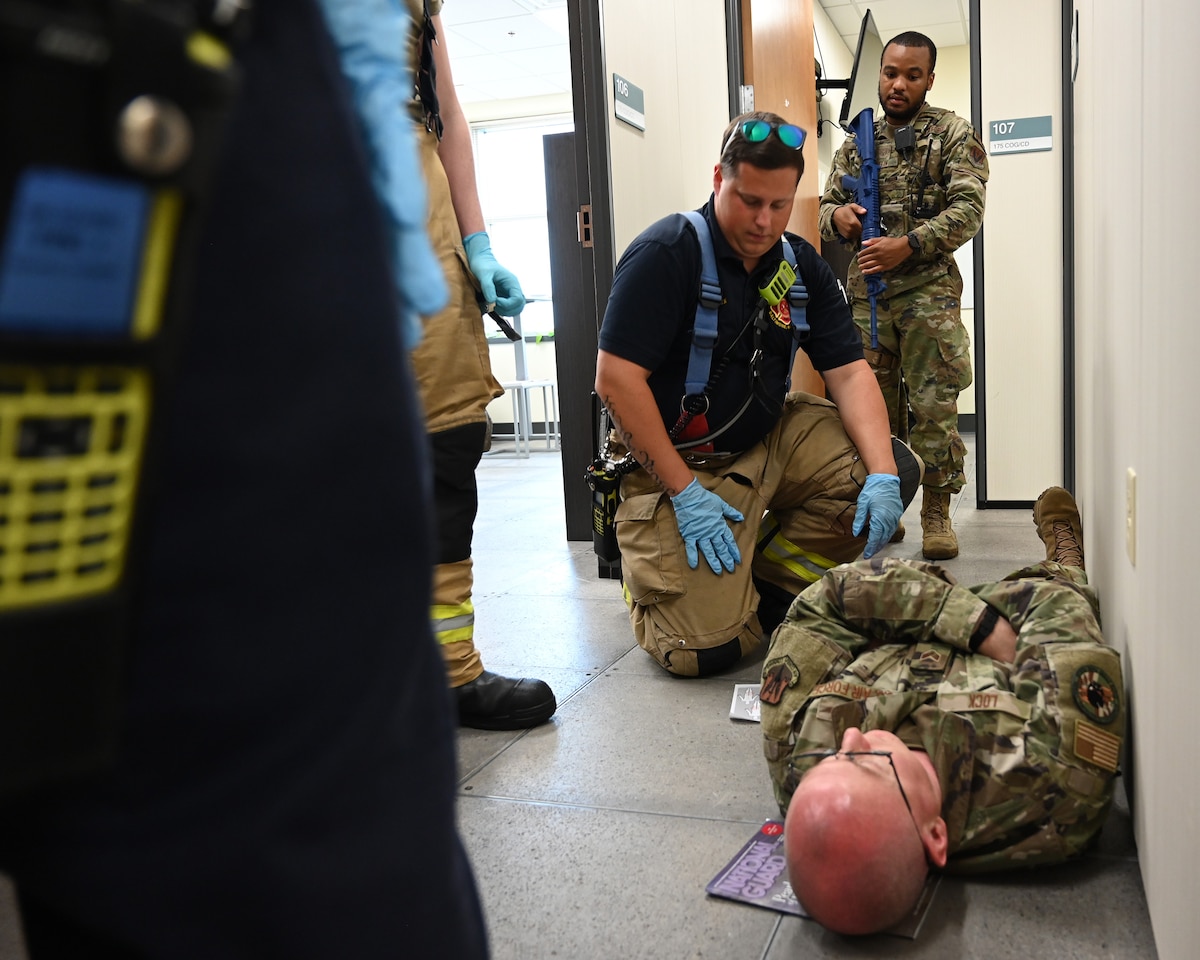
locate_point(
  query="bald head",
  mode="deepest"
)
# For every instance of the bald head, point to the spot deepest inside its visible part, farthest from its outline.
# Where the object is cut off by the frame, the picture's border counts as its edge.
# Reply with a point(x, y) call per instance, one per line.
point(862, 828)
point(854, 856)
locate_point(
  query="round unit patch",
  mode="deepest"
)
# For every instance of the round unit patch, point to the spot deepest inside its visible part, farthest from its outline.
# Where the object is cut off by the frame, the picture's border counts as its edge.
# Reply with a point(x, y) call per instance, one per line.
point(1096, 695)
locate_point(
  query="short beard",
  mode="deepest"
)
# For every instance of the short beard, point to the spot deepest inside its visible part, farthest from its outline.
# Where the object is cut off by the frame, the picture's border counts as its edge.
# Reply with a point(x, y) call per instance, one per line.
point(907, 115)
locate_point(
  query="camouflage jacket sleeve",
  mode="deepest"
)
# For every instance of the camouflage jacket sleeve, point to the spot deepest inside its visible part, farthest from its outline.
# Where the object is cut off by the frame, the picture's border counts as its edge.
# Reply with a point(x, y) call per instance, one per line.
point(958, 167)
point(1025, 752)
point(845, 161)
point(886, 600)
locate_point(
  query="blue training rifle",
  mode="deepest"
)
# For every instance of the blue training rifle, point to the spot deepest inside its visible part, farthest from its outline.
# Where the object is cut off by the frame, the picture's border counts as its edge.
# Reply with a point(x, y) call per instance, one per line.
point(866, 194)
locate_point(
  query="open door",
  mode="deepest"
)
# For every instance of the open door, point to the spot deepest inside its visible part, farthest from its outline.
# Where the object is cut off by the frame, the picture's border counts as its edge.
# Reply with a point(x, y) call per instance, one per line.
point(777, 67)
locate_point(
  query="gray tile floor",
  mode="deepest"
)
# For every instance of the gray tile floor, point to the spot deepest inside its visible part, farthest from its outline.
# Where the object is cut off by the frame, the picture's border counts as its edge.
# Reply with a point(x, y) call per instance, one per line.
point(594, 836)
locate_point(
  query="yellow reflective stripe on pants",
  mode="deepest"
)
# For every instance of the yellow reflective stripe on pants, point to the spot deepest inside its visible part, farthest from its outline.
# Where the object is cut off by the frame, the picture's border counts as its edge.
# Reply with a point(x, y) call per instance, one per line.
point(808, 566)
point(453, 623)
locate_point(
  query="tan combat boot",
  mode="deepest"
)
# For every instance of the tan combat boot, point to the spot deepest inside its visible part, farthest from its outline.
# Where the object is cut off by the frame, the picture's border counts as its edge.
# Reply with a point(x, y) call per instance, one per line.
point(899, 534)
point(1060, 527)
point(938, 541)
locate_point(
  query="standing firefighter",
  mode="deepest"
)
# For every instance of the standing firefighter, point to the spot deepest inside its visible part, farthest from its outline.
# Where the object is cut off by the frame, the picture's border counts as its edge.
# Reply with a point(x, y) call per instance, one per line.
point(933, 175)
point(394, 56)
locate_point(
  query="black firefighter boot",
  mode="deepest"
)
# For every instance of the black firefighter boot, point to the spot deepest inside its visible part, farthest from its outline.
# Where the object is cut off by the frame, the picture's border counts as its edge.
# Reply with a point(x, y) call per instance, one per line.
point(493, 702)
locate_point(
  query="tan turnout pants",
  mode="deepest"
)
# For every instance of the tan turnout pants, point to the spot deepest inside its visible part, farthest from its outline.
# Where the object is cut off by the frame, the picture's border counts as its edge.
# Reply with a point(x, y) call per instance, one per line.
point(797, 490)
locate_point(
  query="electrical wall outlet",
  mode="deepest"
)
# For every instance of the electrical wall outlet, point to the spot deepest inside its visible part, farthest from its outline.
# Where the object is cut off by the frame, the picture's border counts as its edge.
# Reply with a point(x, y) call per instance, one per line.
point(1131, 515)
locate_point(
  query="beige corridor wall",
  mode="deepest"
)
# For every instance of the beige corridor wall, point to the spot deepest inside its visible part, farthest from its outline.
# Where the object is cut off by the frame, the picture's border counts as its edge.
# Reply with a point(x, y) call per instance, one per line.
point(1137, 340)
point(677, 56)
point(1022, 229)
point(952, 90)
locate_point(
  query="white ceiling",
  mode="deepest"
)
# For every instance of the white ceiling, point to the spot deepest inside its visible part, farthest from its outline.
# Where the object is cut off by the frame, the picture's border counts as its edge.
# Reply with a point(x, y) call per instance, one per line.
point(507, 49)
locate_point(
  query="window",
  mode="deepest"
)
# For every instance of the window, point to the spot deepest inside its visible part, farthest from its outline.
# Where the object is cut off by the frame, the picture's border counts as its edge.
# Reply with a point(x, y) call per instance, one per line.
point(510, 173)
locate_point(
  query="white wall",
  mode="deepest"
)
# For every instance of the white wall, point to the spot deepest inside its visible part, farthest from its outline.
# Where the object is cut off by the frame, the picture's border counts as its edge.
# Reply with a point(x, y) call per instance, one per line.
point(1137, 339)
point(677, 56)
point(952, 90)
point(1022, 293)
point(836, 60)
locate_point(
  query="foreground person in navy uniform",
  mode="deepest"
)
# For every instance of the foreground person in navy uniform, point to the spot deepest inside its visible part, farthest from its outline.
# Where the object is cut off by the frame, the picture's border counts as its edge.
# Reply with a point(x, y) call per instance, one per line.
point(285, 785)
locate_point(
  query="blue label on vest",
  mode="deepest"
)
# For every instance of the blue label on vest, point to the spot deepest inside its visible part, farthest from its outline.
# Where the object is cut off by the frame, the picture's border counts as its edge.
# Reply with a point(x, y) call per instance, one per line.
point(72, 254)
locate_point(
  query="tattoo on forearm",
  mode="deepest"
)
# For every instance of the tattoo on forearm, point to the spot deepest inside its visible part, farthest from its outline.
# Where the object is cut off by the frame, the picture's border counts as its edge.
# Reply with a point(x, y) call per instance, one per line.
point(641, 456)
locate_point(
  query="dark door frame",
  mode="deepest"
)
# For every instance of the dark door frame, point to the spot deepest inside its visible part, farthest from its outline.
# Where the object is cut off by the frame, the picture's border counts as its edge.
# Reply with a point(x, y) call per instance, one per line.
point(734, 54)
point(592, 273)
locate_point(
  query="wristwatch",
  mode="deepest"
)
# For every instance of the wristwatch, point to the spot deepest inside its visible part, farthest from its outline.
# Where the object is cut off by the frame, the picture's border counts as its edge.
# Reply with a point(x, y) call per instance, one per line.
point(914, 242)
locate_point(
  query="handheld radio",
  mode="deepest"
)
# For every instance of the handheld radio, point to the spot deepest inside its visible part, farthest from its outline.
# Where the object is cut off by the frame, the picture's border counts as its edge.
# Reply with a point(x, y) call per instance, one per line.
point(778, 286)
point(106, 168)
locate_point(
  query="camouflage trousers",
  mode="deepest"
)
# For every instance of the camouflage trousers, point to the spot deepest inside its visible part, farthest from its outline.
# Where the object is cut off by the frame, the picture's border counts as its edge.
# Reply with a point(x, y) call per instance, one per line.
point(924, 353)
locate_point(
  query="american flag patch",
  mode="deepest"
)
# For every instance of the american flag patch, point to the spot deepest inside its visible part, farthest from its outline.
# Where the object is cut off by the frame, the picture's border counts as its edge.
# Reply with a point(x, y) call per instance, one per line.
point(1097, 746)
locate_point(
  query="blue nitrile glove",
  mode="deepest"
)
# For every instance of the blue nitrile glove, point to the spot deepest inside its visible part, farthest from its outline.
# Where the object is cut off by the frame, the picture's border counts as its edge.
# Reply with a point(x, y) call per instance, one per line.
point(498, 285)
point(879, 500)
point(372, 38)
point(701, 516)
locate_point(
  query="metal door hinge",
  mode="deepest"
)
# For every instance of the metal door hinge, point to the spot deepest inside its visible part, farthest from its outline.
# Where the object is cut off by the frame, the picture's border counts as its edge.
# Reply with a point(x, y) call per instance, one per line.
point(585, 224)
point(747, 97)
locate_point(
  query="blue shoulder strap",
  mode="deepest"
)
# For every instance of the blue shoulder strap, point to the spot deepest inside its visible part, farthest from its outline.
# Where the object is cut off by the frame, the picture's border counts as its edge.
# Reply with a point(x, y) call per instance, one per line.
point(704, 331)
point(798, 300)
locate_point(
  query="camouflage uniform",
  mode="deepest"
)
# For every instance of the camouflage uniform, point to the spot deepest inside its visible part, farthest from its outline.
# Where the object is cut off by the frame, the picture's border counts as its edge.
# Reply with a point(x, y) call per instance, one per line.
point(921, 334)
point(1026, 752)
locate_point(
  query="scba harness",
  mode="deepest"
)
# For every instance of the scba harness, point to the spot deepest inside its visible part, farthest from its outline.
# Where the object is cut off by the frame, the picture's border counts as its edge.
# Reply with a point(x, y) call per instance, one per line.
point(700, 377)
point(603, 475)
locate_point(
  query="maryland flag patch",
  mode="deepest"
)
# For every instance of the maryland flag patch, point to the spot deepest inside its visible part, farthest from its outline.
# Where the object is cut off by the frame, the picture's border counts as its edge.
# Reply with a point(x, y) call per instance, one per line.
point(778, 676)
point(1096, 695)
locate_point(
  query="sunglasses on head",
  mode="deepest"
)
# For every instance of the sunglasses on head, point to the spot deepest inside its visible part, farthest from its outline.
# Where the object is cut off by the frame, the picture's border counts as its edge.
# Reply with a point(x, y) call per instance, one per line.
point(756, 131)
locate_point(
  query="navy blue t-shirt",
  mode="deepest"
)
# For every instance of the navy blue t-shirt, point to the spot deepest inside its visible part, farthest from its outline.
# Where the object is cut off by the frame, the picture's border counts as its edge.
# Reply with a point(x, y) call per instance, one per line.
point(652, 308)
